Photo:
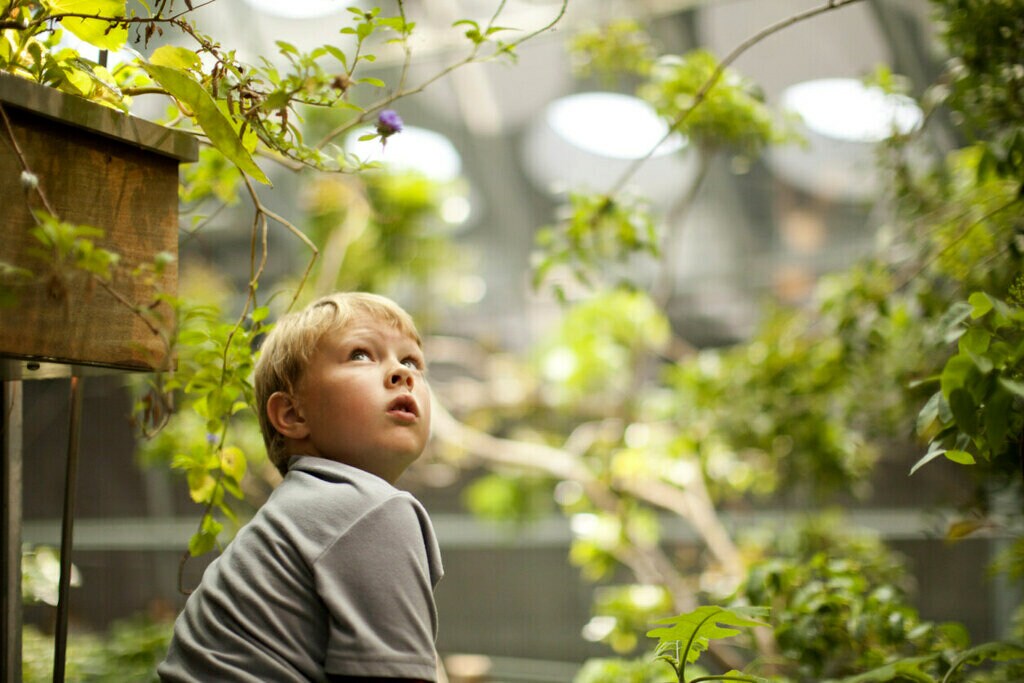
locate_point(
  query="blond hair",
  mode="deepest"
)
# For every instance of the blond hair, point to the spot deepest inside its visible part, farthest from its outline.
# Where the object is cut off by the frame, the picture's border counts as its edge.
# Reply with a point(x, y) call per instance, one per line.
point(290, 345)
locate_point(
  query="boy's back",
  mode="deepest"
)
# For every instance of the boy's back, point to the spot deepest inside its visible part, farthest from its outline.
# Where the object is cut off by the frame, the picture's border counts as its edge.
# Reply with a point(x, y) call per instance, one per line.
point(333, 576)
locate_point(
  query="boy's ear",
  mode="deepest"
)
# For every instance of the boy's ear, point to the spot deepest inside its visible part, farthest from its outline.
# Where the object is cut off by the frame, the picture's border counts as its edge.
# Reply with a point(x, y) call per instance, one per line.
point(286, 417)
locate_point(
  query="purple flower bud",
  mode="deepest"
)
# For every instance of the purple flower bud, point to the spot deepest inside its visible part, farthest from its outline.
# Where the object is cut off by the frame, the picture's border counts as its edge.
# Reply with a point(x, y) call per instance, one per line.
point(212, 438)
point(388, 123)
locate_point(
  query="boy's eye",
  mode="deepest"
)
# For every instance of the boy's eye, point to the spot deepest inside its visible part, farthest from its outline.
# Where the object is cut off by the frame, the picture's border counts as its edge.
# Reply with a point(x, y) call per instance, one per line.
point(359, 354)
point(412, 363)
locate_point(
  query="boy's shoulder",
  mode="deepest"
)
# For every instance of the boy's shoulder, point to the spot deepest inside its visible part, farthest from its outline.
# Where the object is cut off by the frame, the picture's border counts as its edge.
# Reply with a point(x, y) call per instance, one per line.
point(317, 483)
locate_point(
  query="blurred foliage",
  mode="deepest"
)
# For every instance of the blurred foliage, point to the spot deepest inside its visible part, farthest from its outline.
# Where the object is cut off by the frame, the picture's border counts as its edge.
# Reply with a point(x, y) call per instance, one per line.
point(593, 232)
point(643, 670)
point(513, 496)
point(129, 651)
point(621, 47)
point(731, 412)
point(386, 231)
point(730, 117)
point(840, 603)
point(591, 359)
point(623, 612)
point(986, 77)
point(715, 109)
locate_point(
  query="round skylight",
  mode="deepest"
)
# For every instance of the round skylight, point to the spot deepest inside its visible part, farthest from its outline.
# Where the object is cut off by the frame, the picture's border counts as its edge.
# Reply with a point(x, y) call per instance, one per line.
point(610, 125)
point(413, 149)
point(847, 109)
point(298, 9)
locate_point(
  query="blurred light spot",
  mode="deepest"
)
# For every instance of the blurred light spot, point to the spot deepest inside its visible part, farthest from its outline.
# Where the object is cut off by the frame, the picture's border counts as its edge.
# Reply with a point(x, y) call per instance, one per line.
point(598, 628)
point(471, 289)
point(584, 524)
point(646, 596)
point(568, 493)
point(560, 364)
point(637, 435)
point(455, 210)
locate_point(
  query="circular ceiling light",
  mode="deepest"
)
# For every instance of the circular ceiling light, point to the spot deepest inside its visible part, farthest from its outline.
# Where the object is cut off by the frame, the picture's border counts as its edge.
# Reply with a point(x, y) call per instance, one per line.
point(414, 149)
point(610, 125)
point(297, 9)
point(589, 140)
point(842, 120)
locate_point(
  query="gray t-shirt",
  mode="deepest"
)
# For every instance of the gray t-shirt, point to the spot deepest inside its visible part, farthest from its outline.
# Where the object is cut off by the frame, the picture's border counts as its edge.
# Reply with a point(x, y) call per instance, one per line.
point(333, 575)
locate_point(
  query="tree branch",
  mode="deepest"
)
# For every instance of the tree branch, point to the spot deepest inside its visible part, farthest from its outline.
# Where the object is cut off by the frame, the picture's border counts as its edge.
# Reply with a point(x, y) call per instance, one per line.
point(716, 75)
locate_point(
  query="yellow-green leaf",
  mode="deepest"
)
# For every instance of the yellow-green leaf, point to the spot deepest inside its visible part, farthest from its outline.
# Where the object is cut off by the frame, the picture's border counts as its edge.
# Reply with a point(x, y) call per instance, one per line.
point(175, 57)
point(98, 32)
point(233, 463)
point(200, 485)
point(217, 127)
point(960, 457)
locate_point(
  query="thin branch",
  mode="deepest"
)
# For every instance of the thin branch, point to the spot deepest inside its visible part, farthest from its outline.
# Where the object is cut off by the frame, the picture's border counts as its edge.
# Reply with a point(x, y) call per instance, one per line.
point(47, 17)
point(472, 58)
point(716, 75)
point(692, 503)
point(9, 127)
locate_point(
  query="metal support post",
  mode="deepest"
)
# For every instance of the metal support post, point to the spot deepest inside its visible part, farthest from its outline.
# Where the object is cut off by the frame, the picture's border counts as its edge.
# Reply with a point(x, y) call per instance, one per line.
point(66, 536)
point(10, 530)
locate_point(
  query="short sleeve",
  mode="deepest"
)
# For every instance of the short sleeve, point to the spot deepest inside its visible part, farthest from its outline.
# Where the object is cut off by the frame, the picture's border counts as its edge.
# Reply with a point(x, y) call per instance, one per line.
point(377, 581)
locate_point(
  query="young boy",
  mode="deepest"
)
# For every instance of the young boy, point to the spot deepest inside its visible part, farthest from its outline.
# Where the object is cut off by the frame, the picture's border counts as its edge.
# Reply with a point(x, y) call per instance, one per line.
point(332, 580)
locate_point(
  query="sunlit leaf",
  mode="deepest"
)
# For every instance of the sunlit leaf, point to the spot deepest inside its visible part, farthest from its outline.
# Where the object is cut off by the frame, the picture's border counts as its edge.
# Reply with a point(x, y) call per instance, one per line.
point(960, 457)
point(217, 127)
point(175, 57)
point(96, 32)
point(233, 462)
point(695, 629)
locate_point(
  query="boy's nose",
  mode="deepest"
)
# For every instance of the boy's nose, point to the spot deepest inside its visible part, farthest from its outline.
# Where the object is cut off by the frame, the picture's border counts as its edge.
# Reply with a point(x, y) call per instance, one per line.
point(400, 375)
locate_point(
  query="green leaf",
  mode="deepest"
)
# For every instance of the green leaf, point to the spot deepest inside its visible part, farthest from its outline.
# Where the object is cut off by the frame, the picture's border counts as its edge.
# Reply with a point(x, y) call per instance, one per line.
point(980, 304)
point(997, 418)
point(285, 47)
point(950, 323)
point(98, 32)
point(694, 629)
point(200, 485)
point(975, 340)
point(233, 462)
point(929, 413)
point(965, 527)
point(965, 412)
point(934, 450)
point(1014, 387)
point(217, 127)
point(201, 543)
point(993, 651)
point(960, 457)
point(955, 374)
point(175, 57)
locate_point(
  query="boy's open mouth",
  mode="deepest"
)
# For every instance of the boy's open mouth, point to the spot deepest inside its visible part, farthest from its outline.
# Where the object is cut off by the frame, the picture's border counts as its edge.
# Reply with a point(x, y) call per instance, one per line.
point(404, 406)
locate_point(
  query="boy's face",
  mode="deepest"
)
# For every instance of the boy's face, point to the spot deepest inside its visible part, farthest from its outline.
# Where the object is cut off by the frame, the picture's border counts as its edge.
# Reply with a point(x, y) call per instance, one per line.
point(365, 399)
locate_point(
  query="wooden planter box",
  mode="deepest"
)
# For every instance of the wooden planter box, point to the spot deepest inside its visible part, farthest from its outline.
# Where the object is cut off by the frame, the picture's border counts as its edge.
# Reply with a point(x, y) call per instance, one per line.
point(101, 168)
